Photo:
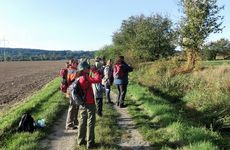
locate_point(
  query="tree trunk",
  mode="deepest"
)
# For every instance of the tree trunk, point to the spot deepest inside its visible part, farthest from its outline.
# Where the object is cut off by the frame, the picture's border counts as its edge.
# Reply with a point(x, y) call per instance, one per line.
point(191, 60)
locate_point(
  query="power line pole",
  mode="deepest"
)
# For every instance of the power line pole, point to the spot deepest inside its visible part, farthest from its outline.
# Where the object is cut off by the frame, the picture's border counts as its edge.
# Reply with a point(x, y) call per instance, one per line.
point(4, 48)
point(4, 45)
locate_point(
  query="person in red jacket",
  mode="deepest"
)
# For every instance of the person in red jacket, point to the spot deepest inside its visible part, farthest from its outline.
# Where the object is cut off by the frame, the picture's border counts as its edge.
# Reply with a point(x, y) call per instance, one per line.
point(88, 111)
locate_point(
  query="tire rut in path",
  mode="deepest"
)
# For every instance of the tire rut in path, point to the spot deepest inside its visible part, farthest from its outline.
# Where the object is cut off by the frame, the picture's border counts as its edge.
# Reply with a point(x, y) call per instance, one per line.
point(132, 139)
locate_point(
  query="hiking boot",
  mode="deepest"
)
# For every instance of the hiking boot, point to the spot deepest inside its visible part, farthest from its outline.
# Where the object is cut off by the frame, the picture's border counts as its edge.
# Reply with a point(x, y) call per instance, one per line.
point(82, 143)
point(91, 146)
point(99, 114)
point(122, 106)
point(71, 128)
point(110, 102)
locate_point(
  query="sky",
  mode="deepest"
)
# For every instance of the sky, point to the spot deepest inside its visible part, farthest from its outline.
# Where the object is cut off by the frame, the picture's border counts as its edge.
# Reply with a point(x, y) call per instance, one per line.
point(80, 24)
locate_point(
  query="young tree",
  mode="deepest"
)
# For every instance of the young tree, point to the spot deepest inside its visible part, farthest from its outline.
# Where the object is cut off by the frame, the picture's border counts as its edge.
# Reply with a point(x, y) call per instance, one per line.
point(199, 21)
point(146, 38)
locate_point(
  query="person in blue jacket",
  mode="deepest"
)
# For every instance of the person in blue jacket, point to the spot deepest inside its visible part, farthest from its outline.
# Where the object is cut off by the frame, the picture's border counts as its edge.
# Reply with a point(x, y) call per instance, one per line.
point(120, 73)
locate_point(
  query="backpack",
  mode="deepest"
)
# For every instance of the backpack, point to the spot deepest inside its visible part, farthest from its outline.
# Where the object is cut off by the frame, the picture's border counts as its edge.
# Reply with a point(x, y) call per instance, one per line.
point(64, 85)
point(26, 123)
point(76, 92)
point(118, 72)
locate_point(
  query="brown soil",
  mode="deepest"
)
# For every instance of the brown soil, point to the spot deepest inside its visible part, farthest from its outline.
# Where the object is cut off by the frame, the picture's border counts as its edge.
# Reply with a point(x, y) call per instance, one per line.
point(21, 79)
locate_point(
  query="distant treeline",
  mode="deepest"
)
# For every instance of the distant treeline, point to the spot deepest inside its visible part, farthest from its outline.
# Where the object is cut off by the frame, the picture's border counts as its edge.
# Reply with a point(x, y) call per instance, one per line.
point(23, 54)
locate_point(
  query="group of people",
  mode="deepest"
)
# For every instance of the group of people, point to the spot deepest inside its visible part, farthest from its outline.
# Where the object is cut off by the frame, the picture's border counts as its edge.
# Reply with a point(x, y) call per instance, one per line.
point(94, 80)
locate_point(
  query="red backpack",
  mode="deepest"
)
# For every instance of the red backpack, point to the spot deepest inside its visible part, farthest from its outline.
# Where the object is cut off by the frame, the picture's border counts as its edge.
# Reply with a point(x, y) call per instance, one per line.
point(118, 72)
point(64, 85)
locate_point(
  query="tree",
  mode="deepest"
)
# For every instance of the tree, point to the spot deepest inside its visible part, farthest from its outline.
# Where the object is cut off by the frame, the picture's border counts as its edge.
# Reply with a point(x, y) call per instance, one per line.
point(200, 20)
point(8, 58)
point(219, 47)
point(146, 38)
point(223, 47)
point(209, 52)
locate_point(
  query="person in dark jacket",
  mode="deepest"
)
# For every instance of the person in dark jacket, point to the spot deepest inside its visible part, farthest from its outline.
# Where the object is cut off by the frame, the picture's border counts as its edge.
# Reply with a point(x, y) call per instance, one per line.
point(120, 73)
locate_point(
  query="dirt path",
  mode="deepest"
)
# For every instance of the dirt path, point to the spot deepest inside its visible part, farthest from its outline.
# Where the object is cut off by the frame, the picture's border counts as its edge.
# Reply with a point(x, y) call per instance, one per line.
point(132, 139)
point(61, 139)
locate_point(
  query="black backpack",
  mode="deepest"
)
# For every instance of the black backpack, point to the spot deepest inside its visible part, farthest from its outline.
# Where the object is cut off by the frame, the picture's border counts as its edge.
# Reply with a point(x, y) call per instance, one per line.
point(26, 123)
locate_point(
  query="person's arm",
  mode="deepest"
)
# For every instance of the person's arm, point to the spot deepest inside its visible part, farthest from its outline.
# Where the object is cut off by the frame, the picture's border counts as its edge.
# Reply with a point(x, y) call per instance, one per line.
point(128, 67)
point(96, 78)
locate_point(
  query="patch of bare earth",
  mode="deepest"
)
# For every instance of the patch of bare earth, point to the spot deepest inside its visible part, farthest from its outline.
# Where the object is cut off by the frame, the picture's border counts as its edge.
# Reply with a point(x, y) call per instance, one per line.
point(21, 79)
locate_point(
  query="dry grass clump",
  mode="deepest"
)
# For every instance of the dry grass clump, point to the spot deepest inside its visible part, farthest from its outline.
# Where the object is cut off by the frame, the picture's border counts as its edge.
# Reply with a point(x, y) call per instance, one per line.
point(215, 78)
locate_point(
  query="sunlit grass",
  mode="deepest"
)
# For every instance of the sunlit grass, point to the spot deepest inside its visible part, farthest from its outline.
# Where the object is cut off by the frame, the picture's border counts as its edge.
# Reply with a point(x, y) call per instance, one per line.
point(164, 125)
point(47, 103)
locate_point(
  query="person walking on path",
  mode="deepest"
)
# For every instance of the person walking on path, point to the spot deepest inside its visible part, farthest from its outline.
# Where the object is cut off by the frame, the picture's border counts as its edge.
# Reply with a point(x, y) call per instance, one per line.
point(120, 74)
point(87, 112)
point(72, 115)
point(98, 88)
point(107, 80)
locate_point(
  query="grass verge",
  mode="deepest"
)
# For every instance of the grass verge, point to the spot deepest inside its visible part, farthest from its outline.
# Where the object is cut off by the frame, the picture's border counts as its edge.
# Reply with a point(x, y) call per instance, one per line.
point(165, 126)
point(47, 103)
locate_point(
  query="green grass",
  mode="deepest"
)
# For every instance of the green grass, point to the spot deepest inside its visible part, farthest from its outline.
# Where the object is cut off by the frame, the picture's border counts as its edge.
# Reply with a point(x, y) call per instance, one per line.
point(107, 132)
point(47, 103)
point(215, 63)
point(166, 125)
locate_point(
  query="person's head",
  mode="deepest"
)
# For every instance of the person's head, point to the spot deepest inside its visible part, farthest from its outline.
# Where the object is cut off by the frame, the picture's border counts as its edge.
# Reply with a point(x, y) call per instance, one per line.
point(67, 64)
point(97, 59)
point(73, 63)
point(98, 65)
point(109, 62)
point(84, 67)
point(120, 59)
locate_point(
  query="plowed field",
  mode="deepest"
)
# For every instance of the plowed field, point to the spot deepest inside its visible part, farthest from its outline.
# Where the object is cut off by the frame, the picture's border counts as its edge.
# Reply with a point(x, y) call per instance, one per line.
point(20, 79)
